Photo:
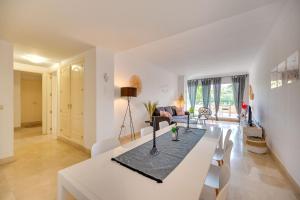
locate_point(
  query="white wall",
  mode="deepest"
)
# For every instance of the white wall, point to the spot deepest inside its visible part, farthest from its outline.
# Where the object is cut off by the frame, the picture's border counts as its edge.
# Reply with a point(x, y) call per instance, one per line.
point(158, 84)
point(105, 94)
point(17, 99)
point(89, 114)
point(6, 100)
point(278, 110)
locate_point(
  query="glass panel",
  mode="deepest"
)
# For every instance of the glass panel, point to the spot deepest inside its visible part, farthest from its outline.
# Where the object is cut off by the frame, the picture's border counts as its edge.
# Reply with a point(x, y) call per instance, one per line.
point(226, 108)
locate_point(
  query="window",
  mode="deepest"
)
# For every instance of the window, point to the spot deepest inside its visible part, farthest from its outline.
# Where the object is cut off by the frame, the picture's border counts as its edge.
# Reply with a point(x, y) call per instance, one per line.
point(226, 107)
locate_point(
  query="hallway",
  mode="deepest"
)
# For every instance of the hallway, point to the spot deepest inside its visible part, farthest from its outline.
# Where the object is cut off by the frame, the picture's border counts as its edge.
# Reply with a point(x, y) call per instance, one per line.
point(38, 158)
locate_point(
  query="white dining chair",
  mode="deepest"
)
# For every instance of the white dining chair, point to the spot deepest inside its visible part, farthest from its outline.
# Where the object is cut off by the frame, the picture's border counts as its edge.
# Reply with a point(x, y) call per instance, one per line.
point(222, 185)
point(223, 192)
point(163, 124)
point(104, 146)
point(212, 178)
point(147, 130)
point(227, 137)
point(220, 145)
point(227, 153)
point(224, 182)
point(219, 153)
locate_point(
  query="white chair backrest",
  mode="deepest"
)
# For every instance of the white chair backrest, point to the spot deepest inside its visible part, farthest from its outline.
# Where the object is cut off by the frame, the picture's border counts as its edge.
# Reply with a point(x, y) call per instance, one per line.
point(147, 130)
point(103, 146)
point(227, 153)
point(224, 176)
point(220, 145)
point(163, 124)
point(227, 137)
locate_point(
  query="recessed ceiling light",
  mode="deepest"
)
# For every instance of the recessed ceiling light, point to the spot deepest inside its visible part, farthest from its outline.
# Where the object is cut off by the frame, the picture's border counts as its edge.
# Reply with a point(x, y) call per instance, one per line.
point(35, 58)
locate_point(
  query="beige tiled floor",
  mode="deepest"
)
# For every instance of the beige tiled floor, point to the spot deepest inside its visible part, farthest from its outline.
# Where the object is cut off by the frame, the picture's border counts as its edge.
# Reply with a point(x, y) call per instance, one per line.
point(253, 176)
point(38, 158)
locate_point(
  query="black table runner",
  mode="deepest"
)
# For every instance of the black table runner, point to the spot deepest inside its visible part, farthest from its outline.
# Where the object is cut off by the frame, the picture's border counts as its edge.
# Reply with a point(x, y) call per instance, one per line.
point(171, 153)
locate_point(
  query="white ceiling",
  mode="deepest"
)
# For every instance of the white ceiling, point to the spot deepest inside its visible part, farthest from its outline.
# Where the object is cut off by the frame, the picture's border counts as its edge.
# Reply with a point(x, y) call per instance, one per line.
point(58, 29)
point(224, 47)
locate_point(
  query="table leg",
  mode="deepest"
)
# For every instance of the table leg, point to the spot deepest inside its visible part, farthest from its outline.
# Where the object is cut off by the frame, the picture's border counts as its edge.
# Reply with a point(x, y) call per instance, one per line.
point(61, 192)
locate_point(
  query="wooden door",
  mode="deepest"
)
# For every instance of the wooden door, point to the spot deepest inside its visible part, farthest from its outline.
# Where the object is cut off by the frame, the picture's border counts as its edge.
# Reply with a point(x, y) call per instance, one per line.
point(31, 98)
point(54, 103)
point(77, 102)
point(65, 101)
point(49, 103)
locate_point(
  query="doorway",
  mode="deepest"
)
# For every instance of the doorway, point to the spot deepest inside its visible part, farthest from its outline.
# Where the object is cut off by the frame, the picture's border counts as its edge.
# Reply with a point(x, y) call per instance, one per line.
point(59, 103)
point(27, 99)
point(35, 101)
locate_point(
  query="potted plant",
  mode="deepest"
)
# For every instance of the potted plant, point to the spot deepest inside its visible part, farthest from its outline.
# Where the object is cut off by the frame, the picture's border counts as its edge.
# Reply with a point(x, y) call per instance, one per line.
point(192, 110)
point(150, 107)
point(174, 131)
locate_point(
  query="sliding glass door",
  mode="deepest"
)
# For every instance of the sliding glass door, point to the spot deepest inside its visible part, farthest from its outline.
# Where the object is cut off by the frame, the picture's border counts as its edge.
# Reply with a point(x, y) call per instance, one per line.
point(226, 108)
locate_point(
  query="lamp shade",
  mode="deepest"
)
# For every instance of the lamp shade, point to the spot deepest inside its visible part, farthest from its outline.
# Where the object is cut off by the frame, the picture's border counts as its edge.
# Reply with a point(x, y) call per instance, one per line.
point(128, 92)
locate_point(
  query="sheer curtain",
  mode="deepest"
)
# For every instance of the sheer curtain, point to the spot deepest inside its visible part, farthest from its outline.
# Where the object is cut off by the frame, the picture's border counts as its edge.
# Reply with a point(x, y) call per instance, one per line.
point(217, 92)
point(192, 89)
point(206, 84)
point(238, 83)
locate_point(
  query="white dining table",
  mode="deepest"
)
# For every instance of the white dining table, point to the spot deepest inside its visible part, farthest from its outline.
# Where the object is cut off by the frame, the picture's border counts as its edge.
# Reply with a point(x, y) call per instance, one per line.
point(100, 178)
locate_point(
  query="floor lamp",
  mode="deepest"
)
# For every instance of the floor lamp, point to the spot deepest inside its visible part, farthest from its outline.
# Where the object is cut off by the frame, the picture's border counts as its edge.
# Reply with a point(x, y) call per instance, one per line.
point(128, 92)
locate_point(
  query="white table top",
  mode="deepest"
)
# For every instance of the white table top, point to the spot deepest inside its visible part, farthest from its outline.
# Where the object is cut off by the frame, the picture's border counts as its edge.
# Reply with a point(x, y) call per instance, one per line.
point(101, 178)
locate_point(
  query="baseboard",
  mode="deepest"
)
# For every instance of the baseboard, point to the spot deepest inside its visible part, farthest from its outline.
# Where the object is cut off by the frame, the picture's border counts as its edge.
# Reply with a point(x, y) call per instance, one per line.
point(31, 124)
point(74, 144)
point(124, 139)
point(228, 119)
point(17, 128)
point(7, 160)
point(284, 170)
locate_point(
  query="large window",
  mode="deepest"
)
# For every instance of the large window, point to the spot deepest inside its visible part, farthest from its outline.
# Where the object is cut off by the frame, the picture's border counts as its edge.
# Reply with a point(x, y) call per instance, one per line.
point(226, 108)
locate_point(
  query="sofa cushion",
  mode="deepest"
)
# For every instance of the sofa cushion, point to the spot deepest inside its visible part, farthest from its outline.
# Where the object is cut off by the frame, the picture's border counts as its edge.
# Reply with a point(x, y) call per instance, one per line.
point(180, 119)
point(157, 111)
point(169, 110)
point(165, 114)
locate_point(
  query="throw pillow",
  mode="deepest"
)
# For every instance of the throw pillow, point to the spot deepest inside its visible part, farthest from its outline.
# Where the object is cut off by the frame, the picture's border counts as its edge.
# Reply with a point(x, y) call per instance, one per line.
point(169, 115)
point(169, 110)
point(157, 111)
point(165, 114)
point(180, 111)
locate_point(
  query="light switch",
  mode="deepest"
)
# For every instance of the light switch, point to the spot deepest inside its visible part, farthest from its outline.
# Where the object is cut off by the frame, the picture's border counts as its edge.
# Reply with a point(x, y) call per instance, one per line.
point(1, 107)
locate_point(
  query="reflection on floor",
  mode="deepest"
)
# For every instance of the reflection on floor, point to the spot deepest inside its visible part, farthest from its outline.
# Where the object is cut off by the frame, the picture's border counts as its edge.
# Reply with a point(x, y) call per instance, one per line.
point(38, 158)
point(253, 176)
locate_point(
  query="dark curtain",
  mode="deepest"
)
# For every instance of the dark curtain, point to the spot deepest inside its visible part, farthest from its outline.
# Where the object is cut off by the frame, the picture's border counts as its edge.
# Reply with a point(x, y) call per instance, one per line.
point(238, 83)
point(217, 92)
point(206, 84)
point(192, 89)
